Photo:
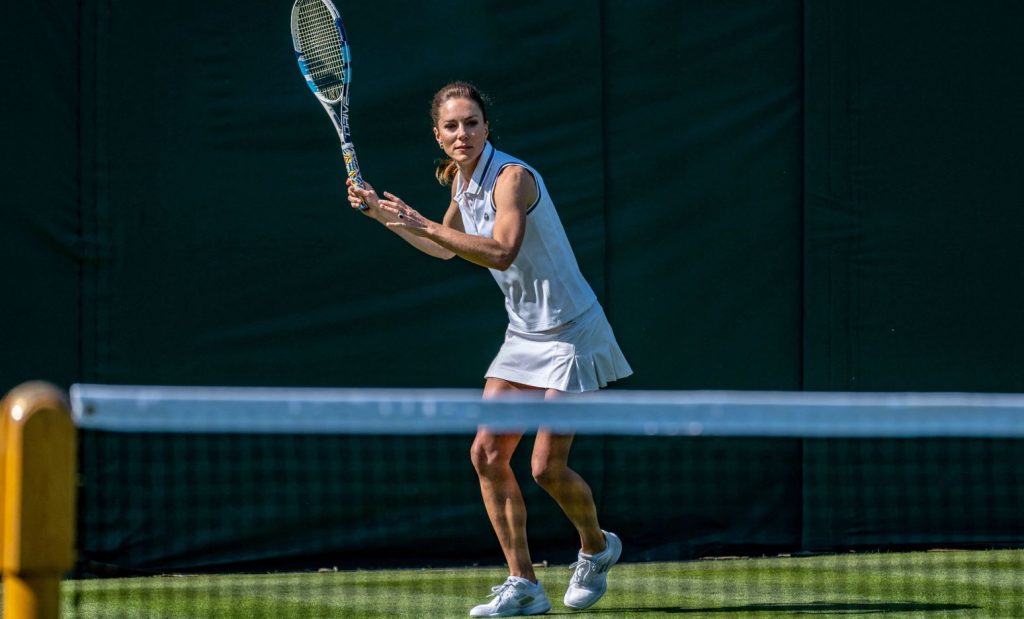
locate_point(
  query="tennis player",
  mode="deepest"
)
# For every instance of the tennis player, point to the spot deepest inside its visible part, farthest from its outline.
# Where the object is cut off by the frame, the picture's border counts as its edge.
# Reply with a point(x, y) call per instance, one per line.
point(558, 340)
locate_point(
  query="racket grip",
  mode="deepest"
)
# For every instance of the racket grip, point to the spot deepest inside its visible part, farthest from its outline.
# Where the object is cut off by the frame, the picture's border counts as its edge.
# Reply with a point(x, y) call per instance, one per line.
point(348, 152)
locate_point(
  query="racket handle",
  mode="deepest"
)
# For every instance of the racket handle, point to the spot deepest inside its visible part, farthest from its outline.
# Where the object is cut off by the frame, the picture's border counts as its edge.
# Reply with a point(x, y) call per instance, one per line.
point(348, 152)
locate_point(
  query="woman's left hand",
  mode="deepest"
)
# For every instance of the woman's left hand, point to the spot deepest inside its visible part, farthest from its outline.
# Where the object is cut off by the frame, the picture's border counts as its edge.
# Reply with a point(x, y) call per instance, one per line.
point(408, 218)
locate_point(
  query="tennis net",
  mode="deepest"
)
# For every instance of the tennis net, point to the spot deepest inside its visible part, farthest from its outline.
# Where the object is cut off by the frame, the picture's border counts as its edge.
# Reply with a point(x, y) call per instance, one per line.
point(258, 502)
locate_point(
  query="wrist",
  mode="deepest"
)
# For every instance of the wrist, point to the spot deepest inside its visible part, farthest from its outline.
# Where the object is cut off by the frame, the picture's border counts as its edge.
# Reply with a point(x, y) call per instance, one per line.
point(373, 213)
point(433, 230)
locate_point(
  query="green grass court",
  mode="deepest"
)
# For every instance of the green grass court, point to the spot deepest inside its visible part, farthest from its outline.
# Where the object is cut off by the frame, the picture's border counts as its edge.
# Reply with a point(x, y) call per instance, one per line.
point(919, 584)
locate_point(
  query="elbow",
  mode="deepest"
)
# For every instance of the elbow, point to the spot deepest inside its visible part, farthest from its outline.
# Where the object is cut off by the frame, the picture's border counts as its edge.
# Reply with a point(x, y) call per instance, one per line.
point(503, 261)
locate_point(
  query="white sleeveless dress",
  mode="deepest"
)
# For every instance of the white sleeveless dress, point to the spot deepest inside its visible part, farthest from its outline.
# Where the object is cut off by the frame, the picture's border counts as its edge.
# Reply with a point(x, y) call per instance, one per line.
point(558, 336)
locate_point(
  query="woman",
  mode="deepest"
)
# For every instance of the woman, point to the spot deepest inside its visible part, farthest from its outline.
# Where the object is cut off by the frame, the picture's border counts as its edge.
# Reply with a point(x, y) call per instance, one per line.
point(558, 340)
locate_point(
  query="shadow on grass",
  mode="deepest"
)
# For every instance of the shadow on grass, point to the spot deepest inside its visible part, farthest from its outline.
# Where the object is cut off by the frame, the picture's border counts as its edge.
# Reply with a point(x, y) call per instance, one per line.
point(807, 608)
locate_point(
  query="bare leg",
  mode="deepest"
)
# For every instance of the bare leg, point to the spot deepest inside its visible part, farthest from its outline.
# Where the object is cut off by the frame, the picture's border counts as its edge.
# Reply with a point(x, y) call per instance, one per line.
point(550, 463)
point(503, 500)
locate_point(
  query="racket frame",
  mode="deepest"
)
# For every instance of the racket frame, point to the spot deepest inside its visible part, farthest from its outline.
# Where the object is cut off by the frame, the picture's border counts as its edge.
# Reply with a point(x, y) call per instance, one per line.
point(337, 107)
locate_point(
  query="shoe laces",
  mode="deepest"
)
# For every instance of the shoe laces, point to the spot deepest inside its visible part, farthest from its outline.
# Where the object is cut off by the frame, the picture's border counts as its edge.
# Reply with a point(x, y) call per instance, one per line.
point(503, 590)
point(584, 569)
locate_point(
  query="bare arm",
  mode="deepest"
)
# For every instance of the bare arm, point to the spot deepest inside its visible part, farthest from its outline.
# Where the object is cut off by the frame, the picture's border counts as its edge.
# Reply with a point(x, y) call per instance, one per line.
point(368, 196)
point(515, 190)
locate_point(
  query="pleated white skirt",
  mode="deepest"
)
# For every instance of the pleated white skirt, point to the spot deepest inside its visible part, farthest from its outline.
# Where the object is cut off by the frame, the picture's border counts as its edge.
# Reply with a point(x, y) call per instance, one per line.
point(581, 355)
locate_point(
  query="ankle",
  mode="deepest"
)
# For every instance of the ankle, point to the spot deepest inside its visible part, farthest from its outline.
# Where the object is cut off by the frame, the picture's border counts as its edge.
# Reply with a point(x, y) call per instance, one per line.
point(528, 576)
point(594, 544)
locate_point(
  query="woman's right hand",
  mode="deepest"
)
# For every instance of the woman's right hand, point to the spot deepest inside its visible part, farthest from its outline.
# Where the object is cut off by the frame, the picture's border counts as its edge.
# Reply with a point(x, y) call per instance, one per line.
point(358, 196)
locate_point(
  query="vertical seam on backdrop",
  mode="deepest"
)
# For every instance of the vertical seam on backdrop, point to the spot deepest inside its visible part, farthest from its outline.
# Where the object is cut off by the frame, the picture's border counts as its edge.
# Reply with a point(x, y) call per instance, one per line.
point(81, 249)
point(802, 317)
point(105, 247)
point(88, 191)
point(97, 253)
point(802, 209)
point(802, 358)
point(854, 108)
point(835, 188)
point(829, 130)
point(817, 186)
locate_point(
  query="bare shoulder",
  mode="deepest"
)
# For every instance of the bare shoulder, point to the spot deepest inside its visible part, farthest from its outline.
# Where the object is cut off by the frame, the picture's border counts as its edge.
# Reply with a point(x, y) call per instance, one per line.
point(516, 174)
point(516, 183)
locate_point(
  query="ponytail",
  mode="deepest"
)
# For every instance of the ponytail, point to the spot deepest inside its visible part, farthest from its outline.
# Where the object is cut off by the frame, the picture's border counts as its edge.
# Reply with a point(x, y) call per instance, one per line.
point(446, 171)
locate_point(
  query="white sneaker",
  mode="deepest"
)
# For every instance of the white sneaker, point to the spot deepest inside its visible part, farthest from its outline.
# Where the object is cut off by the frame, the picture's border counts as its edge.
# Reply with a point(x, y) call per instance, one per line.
point(513, 598)
point(590, 580)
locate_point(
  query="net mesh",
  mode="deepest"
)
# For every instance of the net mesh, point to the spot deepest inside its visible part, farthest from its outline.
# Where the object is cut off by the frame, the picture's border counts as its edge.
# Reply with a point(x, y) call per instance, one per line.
point(321, 46)
point(348, 503)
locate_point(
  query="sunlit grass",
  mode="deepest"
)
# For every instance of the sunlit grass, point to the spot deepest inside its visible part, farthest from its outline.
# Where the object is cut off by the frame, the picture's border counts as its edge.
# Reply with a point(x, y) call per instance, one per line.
point(921, 584)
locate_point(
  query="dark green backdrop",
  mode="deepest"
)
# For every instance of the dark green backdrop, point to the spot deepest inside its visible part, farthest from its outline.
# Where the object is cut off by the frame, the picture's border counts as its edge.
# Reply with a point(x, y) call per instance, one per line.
point(786, 195)
point(914, 266)
point(820, 195)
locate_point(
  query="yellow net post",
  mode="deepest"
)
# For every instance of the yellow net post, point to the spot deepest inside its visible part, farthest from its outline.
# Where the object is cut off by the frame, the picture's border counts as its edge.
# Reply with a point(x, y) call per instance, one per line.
point(37, 485)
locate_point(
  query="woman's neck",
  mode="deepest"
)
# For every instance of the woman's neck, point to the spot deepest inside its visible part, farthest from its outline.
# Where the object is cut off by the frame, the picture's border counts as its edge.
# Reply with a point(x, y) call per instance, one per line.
point(466, 171)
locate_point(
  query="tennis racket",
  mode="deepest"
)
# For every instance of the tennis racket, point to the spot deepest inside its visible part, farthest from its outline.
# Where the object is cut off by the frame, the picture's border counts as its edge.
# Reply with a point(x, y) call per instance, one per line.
point(321, 47)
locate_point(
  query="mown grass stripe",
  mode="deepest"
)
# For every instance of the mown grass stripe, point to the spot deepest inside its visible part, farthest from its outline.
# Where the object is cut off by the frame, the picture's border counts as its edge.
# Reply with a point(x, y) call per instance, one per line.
point(938, 584)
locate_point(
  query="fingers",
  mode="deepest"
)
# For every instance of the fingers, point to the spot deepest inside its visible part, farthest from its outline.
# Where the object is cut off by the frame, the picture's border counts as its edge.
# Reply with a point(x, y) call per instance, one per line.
point(389, 204)
point(356, 197)
point(401, 210)
point(363, 184)
point(396, 200)
point(359, 192)
point(362, 197)
point(396, 206)
point(391, 207)
point(396, 203)
point(363, 190)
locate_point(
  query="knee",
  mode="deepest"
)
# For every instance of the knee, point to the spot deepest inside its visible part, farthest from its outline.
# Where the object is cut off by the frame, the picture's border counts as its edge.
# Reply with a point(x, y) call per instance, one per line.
point(547, 473)
point(486, 461)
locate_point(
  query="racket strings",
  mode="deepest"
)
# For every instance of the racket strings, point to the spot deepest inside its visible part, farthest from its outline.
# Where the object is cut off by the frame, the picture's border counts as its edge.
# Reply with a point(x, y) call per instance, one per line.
point(322, 47)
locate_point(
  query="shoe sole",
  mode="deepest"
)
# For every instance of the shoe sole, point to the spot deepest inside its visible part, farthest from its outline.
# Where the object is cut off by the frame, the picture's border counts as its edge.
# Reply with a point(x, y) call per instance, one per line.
point(538, 609)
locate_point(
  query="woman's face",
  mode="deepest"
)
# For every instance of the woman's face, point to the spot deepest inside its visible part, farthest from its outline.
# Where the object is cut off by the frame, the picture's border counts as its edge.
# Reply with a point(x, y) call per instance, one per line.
point(461, 130)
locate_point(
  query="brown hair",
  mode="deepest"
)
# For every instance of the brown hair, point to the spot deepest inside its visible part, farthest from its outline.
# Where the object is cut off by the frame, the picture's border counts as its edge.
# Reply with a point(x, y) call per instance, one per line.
point(446, 168)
